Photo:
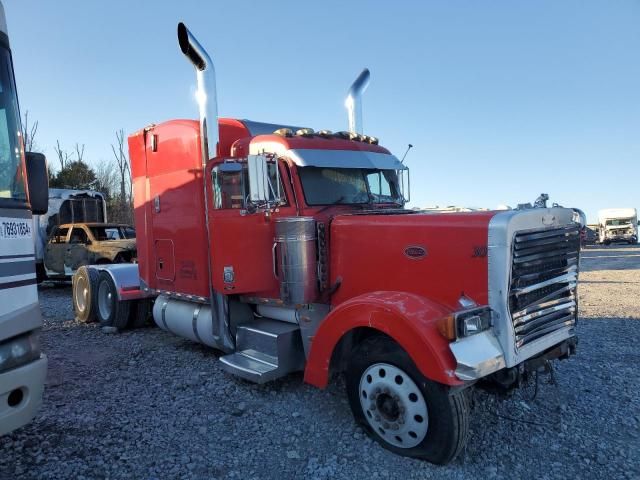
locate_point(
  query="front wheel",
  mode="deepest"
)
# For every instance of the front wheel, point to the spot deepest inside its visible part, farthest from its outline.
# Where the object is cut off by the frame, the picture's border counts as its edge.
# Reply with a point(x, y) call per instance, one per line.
point(401, 409)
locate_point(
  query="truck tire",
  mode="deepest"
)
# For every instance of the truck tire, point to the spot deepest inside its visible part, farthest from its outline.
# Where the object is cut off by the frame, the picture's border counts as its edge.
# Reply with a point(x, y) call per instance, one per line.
point(110, 311)
point(401, 409)
point(140, 314)
point(84, 285)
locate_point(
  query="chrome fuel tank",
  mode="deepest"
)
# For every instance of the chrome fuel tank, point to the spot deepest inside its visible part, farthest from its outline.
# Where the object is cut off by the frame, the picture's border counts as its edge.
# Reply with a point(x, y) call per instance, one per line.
point(295, 261)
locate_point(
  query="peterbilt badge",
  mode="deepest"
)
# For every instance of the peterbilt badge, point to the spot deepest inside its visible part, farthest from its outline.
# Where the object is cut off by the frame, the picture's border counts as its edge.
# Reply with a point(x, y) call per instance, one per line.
point(415, 252)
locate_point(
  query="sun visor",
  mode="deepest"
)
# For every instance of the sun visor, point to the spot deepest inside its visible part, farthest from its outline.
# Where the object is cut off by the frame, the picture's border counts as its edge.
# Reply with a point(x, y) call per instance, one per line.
point(344, 159)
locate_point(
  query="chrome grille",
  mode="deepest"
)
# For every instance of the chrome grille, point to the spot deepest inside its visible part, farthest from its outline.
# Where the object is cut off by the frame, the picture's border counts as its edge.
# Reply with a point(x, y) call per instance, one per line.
point(544, 274)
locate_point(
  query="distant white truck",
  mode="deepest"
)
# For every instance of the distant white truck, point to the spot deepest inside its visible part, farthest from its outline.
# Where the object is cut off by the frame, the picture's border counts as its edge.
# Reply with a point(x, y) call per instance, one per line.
point(618, 225)
point(65, 206)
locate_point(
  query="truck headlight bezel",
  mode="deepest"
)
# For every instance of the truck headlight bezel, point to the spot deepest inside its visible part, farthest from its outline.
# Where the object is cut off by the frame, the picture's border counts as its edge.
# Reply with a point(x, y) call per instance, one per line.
point(466, 323)
point(471, 322)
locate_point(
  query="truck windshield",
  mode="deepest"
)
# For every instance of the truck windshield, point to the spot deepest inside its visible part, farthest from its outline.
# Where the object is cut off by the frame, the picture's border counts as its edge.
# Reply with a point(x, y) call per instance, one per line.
point(332, 186)
point(619, 221)
point(12, 182)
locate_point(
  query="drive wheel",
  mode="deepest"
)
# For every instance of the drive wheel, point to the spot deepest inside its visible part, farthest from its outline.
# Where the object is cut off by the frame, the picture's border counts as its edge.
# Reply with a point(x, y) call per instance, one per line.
point(401, 409)
point(84, 287)
point(110, 311)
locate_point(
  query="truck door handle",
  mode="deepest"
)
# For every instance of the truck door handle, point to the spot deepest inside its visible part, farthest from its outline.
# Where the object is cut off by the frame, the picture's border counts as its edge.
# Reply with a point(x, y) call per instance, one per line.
point(274, 259)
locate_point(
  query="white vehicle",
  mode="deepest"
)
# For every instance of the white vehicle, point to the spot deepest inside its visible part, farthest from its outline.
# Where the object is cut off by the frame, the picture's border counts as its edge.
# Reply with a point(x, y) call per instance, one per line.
point(618, 225)
point(23, 190)
point(65, 206)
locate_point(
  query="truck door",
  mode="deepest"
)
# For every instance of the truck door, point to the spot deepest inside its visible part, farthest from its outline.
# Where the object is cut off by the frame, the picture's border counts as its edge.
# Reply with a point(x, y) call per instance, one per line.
point(77, 253)
point(242, 240)
point(55, 251)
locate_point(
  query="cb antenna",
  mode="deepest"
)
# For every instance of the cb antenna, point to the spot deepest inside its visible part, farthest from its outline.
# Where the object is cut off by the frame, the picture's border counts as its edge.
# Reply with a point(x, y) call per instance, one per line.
point(409, 147)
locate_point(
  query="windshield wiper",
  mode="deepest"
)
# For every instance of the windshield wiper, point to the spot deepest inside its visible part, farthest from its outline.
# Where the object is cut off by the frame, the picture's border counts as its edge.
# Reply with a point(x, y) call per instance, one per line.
point(338, 201)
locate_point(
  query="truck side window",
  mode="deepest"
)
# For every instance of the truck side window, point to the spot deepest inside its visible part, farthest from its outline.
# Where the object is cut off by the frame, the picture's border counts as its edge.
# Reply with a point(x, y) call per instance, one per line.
point(60, 235)
point(78, 235)
point(229, 188)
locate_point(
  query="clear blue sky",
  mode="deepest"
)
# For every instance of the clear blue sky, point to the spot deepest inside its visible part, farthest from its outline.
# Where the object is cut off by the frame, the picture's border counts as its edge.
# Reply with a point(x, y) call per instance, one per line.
point(502, 100)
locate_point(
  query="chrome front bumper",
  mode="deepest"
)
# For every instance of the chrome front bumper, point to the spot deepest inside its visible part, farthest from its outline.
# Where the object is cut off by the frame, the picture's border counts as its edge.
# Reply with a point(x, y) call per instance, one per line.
point(477, 356)
point(480, 355)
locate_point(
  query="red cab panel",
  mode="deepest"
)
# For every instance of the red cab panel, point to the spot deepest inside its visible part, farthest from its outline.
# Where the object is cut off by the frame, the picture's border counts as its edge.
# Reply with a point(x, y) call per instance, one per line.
point(169, 202)
point(437, 256)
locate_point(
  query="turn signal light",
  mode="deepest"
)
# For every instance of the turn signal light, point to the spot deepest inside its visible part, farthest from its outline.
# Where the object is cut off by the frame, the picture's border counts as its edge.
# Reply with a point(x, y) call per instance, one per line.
point(465, 323)
point(447, 327)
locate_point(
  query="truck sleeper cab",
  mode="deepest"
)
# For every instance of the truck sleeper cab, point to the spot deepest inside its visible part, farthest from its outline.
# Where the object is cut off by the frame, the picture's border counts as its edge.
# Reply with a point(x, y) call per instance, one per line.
point(291, 250)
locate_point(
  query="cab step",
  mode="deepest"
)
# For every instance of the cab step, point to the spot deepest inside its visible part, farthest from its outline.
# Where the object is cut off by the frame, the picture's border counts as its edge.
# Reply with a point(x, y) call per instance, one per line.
point(266, 349)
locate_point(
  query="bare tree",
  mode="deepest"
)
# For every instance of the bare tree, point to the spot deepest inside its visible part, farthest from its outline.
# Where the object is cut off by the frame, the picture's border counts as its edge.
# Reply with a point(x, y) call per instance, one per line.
point(79, 152)
point(106, 178)
point(122, 162)
point(64, 157)
point(29, 134)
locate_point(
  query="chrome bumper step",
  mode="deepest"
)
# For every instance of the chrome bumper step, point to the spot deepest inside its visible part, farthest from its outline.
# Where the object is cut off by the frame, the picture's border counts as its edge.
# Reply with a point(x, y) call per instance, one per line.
point(265, 350)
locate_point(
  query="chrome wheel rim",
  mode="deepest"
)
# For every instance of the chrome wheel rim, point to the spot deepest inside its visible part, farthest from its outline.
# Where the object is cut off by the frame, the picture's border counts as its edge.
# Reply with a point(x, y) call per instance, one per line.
point(81, 294)
point(104, 300)
point(393, 405)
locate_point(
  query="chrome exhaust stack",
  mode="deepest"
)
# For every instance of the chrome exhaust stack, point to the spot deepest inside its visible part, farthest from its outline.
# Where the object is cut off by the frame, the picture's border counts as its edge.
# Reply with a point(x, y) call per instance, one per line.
point(206, 94)
point(354, 101)
point(209, 137)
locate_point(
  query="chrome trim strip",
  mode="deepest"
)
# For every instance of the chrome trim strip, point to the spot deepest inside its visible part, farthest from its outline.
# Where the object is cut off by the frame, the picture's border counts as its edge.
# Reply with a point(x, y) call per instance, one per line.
point(194, 323)
point(165, 302)
point(566, 278)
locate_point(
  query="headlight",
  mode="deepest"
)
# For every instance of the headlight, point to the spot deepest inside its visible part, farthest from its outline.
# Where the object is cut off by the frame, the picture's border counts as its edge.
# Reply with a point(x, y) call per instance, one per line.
point(475, 321)
point(19, 351)
point(465, 323)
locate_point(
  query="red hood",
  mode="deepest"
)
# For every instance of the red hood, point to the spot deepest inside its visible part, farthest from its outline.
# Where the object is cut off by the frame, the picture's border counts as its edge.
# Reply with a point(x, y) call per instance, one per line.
point(437, 255)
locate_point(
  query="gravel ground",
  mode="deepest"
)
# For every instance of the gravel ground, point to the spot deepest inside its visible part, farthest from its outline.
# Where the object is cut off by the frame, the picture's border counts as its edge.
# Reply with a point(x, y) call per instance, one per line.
point(145, 404)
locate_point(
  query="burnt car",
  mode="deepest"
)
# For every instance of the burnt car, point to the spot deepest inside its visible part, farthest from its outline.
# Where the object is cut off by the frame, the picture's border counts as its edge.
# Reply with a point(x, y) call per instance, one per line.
point(71, 246)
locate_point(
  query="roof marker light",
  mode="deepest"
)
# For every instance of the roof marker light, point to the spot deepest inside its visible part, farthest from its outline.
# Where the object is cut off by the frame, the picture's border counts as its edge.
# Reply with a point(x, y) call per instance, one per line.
point(284, 132)
point(304, 132)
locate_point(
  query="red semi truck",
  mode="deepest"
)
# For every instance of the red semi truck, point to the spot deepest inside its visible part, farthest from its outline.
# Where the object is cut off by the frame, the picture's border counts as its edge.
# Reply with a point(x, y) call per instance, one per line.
point(290, 250)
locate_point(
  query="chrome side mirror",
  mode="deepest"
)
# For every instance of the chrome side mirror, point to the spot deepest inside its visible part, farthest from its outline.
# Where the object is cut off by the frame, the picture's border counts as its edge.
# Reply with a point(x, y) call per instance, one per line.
point(263, 190)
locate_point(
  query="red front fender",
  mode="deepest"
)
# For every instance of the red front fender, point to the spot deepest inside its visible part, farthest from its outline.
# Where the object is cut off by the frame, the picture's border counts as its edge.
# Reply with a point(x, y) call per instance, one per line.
point(407, 318)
